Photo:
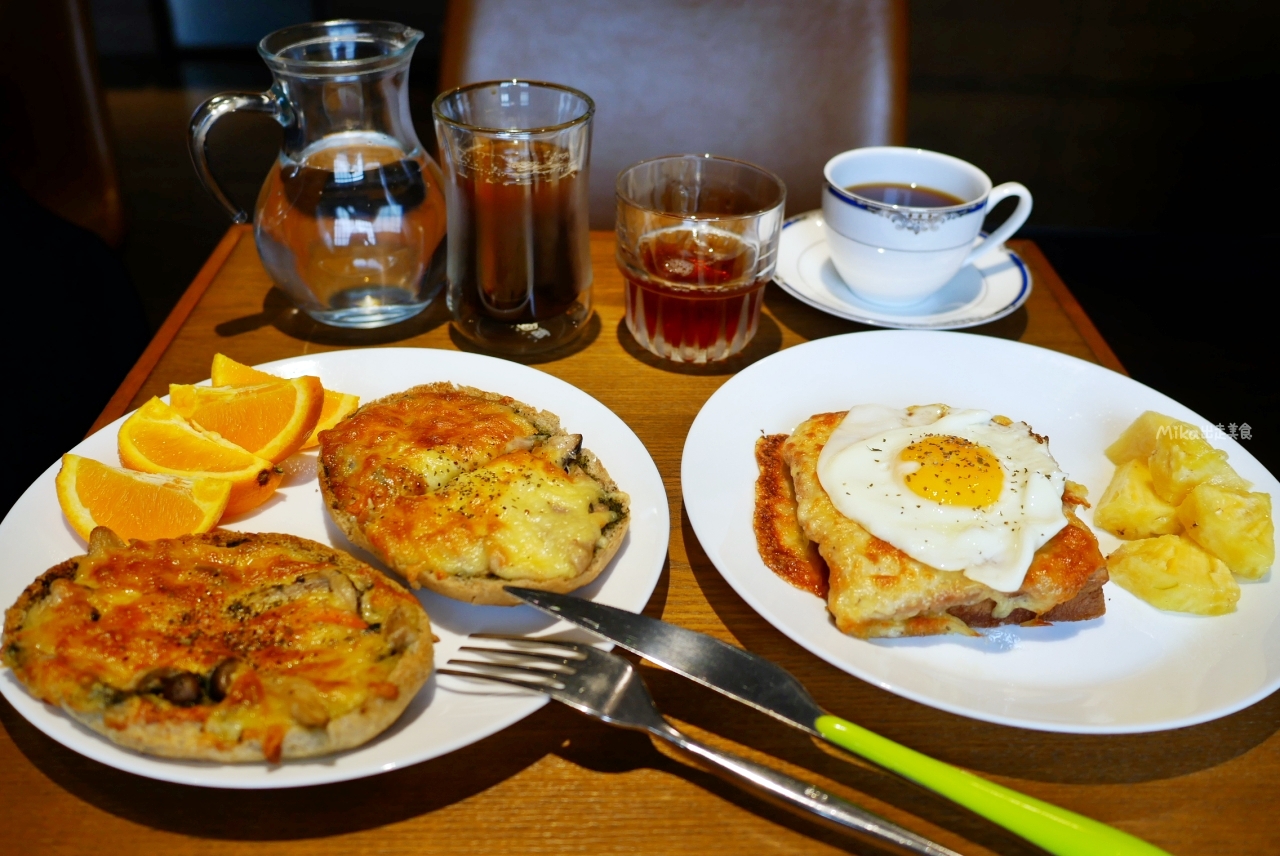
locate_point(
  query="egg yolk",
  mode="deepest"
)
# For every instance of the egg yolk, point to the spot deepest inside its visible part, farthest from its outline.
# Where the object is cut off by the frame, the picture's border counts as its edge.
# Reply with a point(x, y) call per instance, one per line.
point(954, 471)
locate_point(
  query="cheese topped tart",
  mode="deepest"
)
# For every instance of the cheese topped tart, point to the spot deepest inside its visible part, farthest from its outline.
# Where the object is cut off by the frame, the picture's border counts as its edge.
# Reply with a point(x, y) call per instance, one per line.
point(930, 520)
point(223, 646)
point(464, 491)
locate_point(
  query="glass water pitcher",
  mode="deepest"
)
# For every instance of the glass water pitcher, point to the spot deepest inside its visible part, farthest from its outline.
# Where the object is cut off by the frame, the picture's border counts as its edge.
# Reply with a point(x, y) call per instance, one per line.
point(351, 219)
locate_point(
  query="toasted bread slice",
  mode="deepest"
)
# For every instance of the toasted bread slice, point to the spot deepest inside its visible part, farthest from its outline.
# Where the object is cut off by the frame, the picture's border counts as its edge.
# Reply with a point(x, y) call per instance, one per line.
point(782, 544)
point(876, 590)
point(465, 491)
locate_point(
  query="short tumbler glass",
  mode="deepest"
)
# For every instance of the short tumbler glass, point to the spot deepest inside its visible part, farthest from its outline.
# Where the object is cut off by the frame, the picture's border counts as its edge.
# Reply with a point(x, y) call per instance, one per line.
point(697, 242)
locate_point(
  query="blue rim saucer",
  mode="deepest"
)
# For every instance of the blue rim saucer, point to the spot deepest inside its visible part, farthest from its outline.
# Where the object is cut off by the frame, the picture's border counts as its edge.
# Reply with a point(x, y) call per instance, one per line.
point(979, 294)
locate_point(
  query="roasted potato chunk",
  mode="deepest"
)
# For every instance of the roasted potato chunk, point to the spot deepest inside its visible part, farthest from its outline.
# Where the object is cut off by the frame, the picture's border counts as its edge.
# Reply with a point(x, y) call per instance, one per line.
point(1235, 527)
point(1171, 572)
point(1181, 461)
point(1130, 509)
point(1139, 440)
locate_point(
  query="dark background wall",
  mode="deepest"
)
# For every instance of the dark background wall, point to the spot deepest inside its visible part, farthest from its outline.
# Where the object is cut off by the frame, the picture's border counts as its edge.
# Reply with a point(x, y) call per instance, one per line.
point(1139, 126)
point(1110, 111)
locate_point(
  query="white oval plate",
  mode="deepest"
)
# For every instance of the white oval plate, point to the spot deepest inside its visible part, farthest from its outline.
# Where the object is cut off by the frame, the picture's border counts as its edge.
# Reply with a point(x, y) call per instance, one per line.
point(993, 288)
point(1135, 669)
point(448, 713)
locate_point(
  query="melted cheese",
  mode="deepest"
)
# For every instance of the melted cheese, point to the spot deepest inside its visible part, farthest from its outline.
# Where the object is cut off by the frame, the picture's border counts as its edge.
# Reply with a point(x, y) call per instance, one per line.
point(416, 443)
point(312, 643)
point(445, 482)
point(519, 517)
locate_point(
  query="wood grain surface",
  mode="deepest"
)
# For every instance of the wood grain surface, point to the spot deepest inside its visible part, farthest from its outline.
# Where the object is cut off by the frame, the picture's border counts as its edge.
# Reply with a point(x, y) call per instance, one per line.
point(558, 782)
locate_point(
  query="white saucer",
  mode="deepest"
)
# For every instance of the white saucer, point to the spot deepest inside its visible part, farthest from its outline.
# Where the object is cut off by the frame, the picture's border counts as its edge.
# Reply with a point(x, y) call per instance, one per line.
point(978, 294)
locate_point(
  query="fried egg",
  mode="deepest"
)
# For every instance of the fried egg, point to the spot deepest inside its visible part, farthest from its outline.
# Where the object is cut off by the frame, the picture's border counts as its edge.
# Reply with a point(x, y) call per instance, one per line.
point(959, 490)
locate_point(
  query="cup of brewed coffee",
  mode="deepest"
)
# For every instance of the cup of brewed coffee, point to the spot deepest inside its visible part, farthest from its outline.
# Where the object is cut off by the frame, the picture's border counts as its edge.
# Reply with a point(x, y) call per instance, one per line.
point(901, 222)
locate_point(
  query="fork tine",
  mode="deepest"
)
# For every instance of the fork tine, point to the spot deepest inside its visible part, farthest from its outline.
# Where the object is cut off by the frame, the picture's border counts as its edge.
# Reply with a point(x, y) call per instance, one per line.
point(576, 647)
point(531, 670)
point(536, 655)
point(502, 679)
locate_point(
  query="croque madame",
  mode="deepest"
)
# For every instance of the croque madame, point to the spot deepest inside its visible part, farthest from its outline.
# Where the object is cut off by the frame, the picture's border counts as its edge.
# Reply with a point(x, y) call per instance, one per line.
point(929, 494)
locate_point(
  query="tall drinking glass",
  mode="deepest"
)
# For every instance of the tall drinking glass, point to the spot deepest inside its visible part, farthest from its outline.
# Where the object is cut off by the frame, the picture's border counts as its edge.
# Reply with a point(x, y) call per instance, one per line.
point(697, 241)
point(516, 155)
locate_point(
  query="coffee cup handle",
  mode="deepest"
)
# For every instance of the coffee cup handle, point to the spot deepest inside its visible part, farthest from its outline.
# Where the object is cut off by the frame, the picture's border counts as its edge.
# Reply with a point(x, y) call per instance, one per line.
point(1008, 227)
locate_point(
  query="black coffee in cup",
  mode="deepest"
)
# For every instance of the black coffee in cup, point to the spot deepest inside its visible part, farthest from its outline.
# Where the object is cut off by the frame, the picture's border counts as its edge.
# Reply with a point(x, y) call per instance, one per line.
point(907, 195)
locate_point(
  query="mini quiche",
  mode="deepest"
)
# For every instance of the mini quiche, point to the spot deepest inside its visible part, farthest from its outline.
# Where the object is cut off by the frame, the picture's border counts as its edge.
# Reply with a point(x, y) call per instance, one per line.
point(464, 491)
point(223, 646)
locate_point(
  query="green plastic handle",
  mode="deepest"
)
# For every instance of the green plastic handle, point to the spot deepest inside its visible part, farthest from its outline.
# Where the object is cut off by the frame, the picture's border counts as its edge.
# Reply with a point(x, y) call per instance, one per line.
point(1057, 830)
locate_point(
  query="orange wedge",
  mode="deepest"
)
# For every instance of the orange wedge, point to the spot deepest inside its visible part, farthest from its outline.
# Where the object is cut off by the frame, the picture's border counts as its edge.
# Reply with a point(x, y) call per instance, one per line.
point(156, 439)
point(336, 406)
point(272, 420)
point(227, 372)
point(137, 505)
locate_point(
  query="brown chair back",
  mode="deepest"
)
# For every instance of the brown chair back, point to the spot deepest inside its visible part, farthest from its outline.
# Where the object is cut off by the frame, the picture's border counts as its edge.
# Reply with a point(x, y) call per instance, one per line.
point(779, 83)
point(55, 140)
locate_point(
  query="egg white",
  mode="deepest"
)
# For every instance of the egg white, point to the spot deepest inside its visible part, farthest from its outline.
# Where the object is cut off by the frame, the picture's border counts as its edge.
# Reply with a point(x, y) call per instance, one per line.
point(862, 470)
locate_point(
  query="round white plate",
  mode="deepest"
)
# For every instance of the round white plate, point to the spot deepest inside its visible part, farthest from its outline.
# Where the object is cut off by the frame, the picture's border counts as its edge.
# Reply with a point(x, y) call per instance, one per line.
point(448, 713)
point(1134, 669)
point(978, 294)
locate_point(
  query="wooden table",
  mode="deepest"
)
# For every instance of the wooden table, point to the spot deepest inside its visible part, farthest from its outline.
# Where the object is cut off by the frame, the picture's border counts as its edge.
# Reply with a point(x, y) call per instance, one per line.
point(560, 783)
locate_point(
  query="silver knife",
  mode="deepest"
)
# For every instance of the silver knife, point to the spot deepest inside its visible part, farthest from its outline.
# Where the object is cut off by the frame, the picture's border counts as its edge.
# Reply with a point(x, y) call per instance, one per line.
point(766, 686)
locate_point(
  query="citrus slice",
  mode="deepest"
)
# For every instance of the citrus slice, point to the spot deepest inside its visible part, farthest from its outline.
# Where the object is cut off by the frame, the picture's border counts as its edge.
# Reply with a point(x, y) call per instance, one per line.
point(227, 372)
point(137, 505)
point(272, 420)
point(336, 407)
point(156, 439)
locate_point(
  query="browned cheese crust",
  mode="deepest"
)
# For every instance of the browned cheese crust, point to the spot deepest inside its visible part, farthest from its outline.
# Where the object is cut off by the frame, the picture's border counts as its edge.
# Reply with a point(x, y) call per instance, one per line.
point(783, 546)
point(877, 590)
point(465, 491)
point(224, 646)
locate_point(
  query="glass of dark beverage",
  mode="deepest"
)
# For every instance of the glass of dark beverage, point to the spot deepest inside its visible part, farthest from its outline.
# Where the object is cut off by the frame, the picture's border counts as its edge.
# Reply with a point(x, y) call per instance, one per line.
point(697, 242)
point(516, 154)
point(351, 220)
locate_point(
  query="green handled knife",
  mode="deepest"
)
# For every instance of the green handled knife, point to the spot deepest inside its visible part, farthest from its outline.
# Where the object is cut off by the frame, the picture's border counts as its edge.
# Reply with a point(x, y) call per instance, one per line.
point(769, 688)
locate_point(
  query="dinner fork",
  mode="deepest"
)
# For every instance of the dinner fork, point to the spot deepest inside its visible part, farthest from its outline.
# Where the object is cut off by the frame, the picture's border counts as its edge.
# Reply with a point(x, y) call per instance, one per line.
point(608, 688)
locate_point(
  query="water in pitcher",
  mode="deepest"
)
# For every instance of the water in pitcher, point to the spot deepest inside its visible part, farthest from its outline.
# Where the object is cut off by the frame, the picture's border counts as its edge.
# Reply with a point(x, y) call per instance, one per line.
point(358, 224)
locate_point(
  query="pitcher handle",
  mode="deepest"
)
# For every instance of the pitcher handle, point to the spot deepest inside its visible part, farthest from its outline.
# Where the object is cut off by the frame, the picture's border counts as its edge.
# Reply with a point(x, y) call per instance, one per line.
point(1008, 227)
point(202, 121)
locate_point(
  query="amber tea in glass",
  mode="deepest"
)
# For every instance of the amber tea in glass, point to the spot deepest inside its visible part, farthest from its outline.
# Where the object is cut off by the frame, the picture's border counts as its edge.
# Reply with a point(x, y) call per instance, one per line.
point(697, 242)
point(516, 156)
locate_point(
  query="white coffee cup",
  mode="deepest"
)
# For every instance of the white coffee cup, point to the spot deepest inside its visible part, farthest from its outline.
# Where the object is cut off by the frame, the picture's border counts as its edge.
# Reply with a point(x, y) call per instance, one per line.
point(898, 255)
